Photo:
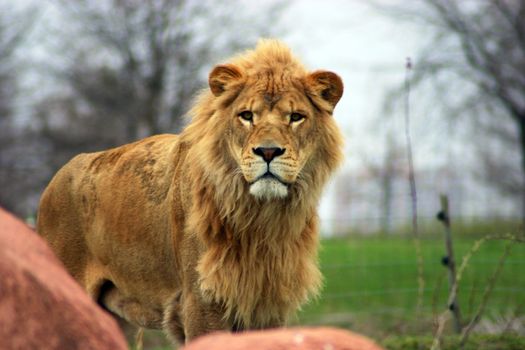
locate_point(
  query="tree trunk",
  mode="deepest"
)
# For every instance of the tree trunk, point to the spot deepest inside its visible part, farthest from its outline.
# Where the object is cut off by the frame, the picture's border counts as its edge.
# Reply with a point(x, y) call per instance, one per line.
point(387, 178)
point(521, 122)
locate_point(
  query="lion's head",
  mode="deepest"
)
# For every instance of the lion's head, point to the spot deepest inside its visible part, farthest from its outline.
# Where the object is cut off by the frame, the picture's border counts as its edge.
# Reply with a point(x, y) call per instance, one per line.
point(274, 118)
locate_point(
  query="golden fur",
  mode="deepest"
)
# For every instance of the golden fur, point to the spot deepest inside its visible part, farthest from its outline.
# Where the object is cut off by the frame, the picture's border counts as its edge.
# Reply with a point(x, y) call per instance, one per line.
point(197, 232)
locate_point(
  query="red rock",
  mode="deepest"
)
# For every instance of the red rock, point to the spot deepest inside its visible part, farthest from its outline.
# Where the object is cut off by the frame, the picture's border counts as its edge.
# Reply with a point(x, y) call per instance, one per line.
point(285, 339)
point(41, 306)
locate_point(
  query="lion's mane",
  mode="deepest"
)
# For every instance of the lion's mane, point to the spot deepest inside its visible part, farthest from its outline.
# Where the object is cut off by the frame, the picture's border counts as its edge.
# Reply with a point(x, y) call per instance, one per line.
point(268, 248)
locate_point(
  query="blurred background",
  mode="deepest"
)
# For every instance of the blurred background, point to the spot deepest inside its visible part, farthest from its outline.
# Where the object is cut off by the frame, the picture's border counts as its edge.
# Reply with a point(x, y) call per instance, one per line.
point(85, 75)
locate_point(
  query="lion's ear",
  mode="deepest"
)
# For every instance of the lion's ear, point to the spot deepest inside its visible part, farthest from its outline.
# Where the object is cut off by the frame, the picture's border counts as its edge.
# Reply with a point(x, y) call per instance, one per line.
point(223, 76)
point(325, 85)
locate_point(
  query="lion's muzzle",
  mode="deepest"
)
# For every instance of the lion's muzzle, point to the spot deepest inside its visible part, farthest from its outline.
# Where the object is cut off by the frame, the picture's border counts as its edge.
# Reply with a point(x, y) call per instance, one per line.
point(269, 184)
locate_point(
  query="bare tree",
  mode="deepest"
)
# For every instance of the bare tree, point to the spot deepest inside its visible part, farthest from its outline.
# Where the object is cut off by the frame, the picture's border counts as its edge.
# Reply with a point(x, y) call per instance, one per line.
point(385, 174)
point(497, 146)
point(12, 31)
point(15, 23)
point(475, 60)
point(139, 63)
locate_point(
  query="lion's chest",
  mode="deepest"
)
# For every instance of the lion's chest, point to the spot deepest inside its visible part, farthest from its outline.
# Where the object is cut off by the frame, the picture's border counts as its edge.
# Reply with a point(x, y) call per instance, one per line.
point(258, 286)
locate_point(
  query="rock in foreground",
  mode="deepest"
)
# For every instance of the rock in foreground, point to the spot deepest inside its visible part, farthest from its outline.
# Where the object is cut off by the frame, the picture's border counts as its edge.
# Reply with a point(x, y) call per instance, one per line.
point(286, 339)
point(41, 306)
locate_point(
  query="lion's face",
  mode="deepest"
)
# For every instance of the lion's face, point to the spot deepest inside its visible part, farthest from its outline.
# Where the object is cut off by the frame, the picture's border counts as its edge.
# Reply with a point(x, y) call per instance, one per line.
point(272, 139)
point(274, 124)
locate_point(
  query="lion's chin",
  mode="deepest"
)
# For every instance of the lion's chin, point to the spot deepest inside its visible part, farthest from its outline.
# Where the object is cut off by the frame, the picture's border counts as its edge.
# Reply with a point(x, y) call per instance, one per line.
point(268, 188)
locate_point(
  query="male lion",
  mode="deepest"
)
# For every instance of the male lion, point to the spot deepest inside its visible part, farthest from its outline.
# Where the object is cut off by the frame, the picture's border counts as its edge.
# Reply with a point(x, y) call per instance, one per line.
point(215, 228)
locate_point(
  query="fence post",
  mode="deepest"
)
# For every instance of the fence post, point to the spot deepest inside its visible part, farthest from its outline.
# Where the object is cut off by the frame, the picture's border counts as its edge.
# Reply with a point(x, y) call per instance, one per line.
point(449, 261)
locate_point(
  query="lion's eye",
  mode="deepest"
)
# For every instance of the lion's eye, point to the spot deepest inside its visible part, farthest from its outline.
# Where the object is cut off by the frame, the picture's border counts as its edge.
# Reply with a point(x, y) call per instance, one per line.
point(246, 115)
point(295, 117)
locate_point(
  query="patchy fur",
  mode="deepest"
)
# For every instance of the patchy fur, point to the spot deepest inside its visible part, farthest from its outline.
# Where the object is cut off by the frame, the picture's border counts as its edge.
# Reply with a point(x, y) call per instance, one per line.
point(215, 228)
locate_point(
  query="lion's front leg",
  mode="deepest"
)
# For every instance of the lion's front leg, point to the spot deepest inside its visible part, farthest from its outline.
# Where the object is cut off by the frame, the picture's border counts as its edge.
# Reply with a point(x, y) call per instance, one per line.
point(188, 316)
point(200, 317)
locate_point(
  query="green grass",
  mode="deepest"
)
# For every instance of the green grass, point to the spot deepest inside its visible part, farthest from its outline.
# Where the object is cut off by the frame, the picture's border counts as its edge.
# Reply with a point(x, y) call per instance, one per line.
point(371, 282)
point(476, 342)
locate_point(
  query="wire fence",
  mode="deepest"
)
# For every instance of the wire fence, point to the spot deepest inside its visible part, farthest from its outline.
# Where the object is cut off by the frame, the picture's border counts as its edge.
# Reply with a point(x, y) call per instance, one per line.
point(371, 284)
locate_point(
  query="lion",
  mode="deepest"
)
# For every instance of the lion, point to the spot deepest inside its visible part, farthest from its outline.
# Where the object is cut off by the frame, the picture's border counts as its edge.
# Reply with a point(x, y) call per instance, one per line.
point(215, 228)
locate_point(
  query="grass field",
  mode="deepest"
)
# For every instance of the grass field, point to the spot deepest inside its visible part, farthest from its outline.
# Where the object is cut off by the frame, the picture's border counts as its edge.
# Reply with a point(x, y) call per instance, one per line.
point(371, 283)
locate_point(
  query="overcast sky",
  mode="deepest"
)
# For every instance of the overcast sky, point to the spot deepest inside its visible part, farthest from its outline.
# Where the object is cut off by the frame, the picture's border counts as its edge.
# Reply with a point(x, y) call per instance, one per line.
point(366, 48)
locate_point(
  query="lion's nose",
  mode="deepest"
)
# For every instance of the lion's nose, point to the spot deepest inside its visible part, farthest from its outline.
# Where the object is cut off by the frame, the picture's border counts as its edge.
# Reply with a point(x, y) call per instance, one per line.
point(269, 153)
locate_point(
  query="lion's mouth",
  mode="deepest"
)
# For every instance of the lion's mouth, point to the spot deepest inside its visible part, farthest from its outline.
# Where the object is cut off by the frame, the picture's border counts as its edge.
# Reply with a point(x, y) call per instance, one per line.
point(269, 186)
point(271, 176)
